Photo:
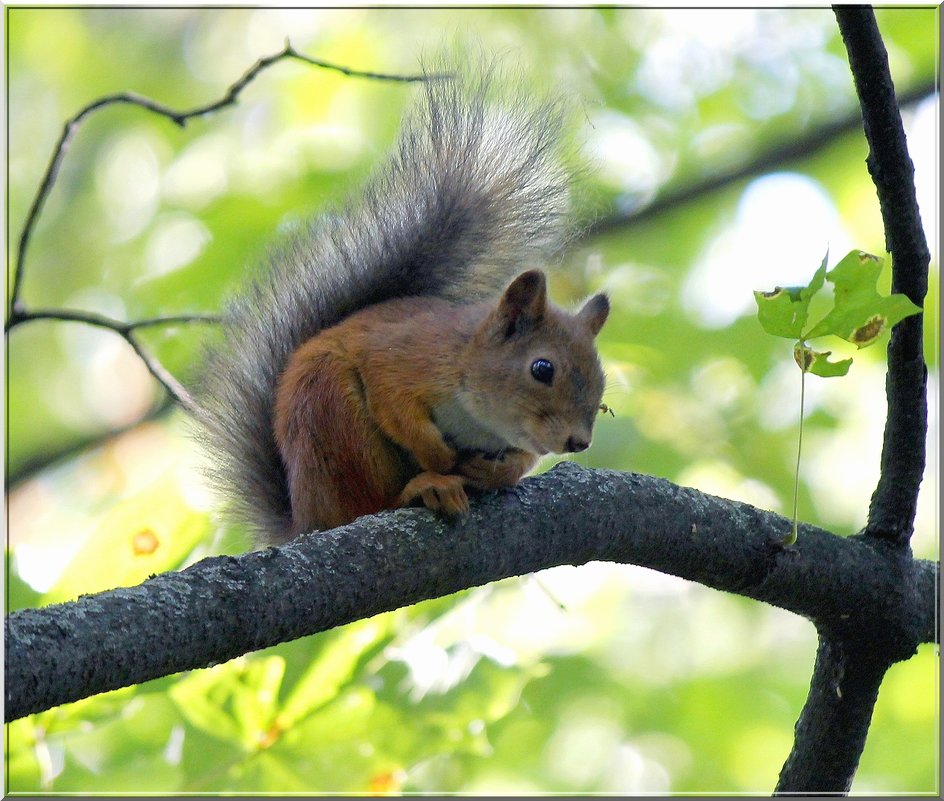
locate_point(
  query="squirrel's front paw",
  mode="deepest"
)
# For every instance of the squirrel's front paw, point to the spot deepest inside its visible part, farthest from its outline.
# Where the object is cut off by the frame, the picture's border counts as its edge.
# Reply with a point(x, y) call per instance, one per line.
point(435, 457)
point(484, 473)
point(439, 492)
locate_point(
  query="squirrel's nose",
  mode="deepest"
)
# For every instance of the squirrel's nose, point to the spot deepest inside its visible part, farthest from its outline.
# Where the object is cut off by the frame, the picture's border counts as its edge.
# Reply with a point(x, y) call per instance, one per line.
point(575, 444)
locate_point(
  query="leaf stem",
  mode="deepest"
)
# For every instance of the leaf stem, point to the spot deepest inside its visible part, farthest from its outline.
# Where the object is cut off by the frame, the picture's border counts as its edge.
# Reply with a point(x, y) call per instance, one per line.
point(792, 538)
point(553, 598)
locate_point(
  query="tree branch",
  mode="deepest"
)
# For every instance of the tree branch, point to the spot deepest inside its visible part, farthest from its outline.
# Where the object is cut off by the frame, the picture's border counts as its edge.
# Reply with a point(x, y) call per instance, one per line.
point(38, 462)
point(18, 312)
point(224, 606)
point(833, 726)
point(127, 332)
point(179, 118)
point(798, 147)
point(894, 502)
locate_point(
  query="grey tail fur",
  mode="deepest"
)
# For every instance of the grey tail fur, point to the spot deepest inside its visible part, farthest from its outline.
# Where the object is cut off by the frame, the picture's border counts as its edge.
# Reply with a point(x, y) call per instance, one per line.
point(474, 191)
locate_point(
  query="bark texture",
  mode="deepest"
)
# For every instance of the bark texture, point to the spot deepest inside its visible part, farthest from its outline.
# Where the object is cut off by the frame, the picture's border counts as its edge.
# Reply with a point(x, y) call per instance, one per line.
point(850, 665)
point(834, 723)
point(892, 511)
point(222, 607)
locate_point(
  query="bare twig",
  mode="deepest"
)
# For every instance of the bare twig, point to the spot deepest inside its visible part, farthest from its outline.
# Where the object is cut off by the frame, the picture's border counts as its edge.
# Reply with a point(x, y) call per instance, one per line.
point(177, 117)
point(804, 145)
point(101, 321)
point(36, 462)
point(127, 332)
point(775, 157)
point(19, 314)
point(162, 375)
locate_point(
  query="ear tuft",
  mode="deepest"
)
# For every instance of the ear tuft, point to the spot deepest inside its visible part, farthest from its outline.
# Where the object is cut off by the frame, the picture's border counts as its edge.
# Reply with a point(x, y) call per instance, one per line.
point(594, 313)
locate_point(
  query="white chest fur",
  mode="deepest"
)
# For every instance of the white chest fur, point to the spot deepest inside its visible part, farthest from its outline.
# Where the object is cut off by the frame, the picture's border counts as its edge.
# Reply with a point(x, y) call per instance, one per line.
point(463, 431)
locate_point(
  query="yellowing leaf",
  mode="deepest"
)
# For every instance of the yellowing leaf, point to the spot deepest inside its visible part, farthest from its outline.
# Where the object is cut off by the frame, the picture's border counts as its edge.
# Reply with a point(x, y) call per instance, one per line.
point(860, 314)
point(151, 532)
point(386, 782)
point(145, 542)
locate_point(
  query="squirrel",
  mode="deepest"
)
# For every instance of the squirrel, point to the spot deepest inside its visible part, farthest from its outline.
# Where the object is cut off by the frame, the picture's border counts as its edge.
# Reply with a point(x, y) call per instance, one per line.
point(396, 351)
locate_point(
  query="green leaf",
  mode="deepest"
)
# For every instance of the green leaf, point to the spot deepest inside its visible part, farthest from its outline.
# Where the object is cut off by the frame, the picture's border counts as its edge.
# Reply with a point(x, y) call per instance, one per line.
point(333, 668)
point(817, 281)
point(203, 699)
point(152, 531)
point(121, 755)
point(24, 771)
point(255, 702)
point(783, 312)
point(818, 363)
point(860, 315)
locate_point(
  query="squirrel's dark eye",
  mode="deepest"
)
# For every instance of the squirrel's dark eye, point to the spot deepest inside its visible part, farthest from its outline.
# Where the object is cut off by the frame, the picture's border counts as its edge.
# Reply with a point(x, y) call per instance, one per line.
point(543, 371)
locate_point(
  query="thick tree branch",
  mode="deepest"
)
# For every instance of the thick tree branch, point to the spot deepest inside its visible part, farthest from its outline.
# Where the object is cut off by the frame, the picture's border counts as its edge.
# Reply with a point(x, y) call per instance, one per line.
point(831, 731)
point(224, 606)
point(835, 720)
point(892, 511)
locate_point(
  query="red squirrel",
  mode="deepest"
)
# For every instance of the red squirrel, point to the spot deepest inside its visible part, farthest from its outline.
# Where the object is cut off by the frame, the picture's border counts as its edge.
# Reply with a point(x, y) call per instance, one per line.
point(386, 356)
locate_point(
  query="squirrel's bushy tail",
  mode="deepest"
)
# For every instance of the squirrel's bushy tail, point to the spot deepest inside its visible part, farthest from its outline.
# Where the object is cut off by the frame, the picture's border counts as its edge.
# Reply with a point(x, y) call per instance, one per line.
point(474, 191)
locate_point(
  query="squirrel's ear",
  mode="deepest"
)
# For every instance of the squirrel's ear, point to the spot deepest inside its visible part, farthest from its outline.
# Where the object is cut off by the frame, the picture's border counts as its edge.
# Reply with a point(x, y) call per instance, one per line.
point(594, 313)
point(523, 304)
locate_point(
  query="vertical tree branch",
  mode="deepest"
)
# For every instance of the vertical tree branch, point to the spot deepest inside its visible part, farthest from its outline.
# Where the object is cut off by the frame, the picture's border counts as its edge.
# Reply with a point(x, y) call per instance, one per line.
point(832, 728)
point(894, 502)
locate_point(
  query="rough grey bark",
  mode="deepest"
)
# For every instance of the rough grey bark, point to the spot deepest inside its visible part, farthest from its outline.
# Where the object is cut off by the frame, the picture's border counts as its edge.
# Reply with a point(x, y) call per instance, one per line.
point(850, 666)
point(892, 511)
point(225, 606)
point(835, 720)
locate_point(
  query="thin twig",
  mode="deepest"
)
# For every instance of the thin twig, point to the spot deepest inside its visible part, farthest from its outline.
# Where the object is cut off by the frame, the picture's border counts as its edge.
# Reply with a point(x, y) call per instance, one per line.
point(179, 118)
point(161, 374)
point(35, 463)
point(19, 314)
point(102, 321)
point(127, 332)
point(792, 538)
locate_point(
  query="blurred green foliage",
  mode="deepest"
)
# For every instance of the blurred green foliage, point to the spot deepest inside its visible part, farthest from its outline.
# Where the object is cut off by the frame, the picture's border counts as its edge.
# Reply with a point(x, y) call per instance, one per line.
point(643, 683)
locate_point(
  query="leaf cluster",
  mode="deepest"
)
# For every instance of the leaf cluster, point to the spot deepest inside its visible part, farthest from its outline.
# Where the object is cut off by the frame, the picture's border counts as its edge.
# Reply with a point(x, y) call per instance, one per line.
point(859, 315)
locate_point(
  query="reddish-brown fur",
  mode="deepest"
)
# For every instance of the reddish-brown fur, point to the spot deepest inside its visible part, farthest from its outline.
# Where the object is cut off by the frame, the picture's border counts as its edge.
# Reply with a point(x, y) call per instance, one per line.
point(354, 407)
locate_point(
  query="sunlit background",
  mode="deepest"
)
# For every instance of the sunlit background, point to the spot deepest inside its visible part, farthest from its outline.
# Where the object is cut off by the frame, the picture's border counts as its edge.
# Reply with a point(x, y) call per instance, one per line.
point(603, 678)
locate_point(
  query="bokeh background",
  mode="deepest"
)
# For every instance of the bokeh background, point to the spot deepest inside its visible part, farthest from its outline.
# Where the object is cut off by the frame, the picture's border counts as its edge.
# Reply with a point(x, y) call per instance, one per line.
point(603, 678)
